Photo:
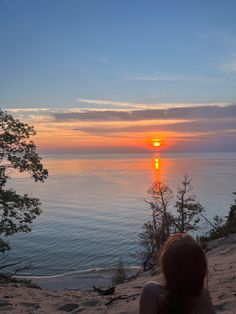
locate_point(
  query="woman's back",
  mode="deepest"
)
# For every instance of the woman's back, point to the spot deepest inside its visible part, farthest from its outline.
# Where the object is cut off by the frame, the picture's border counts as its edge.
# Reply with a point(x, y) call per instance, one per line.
point(154, 297)
point(184, 267)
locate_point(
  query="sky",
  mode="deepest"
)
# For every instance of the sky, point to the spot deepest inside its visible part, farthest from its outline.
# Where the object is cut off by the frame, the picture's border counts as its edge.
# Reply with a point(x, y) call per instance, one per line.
point(112, 76)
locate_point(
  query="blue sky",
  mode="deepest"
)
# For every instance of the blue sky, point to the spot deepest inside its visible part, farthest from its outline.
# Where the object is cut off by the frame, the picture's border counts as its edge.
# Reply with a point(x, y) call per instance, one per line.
point(55, 52)
point(71, 56)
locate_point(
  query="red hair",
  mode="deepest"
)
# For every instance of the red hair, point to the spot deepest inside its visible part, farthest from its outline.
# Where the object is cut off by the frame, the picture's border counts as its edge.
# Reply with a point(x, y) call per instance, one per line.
point(184, 267)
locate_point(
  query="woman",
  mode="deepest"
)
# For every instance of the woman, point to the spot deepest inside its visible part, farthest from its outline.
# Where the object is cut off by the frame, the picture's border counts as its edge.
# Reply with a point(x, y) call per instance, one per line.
point(184, 267)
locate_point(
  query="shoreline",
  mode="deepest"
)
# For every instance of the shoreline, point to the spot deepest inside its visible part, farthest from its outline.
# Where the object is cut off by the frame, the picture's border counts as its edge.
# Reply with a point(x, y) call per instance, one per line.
point(79, 280)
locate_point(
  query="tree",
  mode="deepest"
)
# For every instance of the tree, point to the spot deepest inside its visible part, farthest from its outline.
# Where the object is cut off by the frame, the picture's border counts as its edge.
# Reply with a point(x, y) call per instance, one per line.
point(17, 151)
point(231, 218)
point(182, 216)
point(222, 227)
point(161, 197)
point(157, 230)
point(187, 207)
point(150, 241)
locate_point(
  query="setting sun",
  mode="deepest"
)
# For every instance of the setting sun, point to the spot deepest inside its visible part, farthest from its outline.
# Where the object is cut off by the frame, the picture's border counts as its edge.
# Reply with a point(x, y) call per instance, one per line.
point(156, 143)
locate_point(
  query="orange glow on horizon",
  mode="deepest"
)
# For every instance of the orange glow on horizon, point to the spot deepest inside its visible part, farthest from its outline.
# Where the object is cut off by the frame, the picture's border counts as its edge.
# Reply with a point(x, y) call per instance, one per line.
point(68, 137)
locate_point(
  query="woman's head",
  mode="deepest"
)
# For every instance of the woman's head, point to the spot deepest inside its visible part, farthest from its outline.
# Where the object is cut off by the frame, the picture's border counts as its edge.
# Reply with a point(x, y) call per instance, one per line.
point(184, 265)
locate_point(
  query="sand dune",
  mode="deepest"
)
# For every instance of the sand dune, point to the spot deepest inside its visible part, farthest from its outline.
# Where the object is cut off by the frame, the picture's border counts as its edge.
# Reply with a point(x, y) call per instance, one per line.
point(20, 298)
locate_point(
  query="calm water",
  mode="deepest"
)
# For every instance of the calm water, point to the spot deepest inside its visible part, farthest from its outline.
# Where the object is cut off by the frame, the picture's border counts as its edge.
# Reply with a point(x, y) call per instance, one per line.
point(93, 206)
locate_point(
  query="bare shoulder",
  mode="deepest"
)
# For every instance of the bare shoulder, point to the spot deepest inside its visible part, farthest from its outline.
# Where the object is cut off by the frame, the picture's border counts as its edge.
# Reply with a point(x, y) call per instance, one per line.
point(153, 288)
point(150, 298)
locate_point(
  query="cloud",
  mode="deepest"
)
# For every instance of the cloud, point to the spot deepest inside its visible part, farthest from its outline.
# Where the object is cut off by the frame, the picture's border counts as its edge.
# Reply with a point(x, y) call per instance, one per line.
point(173, 78)
point(24, 110)
point(202, 112)
point(190, 126)
point(214, 125)
point(156, 78)
point(108, 102)
point(229, 66)
point(219, 36)
point(194, 126)
point(135, 105)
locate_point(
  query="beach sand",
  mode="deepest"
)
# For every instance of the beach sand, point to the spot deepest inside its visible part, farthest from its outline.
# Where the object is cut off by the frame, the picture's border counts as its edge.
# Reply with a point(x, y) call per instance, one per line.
point(20, 298)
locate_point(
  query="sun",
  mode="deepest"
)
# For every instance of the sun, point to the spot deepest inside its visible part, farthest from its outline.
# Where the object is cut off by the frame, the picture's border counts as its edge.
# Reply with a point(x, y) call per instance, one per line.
point(156, 143)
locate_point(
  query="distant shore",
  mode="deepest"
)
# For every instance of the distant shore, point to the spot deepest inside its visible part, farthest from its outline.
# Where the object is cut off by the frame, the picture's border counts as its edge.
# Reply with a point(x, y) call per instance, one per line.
point(21, 298)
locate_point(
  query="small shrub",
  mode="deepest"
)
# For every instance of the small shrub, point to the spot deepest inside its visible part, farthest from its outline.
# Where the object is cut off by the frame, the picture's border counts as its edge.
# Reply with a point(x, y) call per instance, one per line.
point(223, 227)
point(121, 274)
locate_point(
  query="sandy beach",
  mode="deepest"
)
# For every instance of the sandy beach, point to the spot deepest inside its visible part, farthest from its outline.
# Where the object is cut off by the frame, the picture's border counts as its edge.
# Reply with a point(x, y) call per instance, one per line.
point(20, 298)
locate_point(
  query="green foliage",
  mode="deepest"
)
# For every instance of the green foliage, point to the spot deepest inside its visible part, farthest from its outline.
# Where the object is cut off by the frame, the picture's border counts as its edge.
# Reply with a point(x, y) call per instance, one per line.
point(231, 218)
point(121, 274)
point(222, 227)
point(17, 151)
point(218, 230)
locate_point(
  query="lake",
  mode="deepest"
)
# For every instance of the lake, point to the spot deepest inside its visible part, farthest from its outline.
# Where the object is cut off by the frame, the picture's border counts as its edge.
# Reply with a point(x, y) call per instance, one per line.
point(93, 205)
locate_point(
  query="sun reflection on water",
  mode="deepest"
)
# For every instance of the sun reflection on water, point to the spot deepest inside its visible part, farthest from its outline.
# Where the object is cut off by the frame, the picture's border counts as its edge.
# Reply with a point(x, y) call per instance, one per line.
point(156, 168)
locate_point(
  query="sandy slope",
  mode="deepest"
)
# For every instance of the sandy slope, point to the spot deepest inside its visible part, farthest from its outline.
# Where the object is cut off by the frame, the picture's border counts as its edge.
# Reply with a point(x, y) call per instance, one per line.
point(18, 298)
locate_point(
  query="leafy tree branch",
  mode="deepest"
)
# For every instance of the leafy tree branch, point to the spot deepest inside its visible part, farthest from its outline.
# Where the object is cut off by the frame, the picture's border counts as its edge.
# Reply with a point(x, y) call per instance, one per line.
point(17, 151)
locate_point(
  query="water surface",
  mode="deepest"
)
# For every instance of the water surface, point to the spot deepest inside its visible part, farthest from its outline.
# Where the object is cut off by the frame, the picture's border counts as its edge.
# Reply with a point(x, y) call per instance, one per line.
point(93, 206)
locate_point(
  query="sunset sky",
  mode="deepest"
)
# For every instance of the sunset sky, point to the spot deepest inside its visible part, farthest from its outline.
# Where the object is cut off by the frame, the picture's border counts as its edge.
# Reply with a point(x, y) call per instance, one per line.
point(113, 76)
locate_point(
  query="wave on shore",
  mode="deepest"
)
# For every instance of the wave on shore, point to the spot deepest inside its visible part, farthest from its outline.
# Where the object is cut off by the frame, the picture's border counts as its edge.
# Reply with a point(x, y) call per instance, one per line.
point(83, 280)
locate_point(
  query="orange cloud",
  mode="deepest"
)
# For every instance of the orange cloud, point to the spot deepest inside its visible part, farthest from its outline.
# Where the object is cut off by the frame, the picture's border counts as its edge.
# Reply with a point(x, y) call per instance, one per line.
point(73, 130)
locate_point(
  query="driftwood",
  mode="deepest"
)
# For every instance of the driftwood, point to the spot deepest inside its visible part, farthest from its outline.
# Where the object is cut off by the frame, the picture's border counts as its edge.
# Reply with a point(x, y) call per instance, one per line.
point(122, 297)
point(108, 291)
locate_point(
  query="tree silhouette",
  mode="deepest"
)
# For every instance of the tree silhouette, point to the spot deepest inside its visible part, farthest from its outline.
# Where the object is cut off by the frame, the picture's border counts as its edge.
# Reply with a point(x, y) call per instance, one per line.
point(167, 217)
point(188, 209)
point(17, 151)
